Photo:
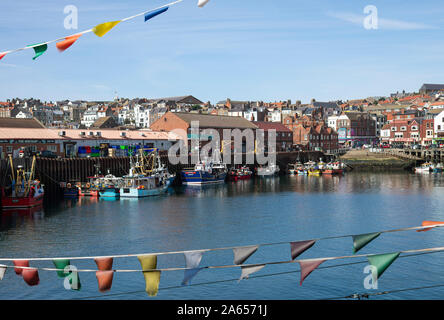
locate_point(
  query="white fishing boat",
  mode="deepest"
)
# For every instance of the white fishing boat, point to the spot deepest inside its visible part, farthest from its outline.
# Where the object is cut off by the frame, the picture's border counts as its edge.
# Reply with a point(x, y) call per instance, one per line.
point(271, 170)
point(147, 177)
point(424, 168)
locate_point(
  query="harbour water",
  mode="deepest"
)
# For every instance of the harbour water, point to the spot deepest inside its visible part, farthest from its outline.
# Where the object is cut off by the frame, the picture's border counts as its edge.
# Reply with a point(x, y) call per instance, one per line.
point(271, 210)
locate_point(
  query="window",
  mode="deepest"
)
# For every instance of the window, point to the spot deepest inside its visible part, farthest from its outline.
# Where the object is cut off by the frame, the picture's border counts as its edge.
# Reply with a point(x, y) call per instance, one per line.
point(414, 128)
point(52, 148)
point(8, 149)
point(439, 127)
point(394, 128)
point(403, 128)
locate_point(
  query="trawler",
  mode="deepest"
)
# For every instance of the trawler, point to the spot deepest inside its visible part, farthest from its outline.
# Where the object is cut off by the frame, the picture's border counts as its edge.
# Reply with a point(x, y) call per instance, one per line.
point(206, 171)
point(147, 177)
point(24, 191)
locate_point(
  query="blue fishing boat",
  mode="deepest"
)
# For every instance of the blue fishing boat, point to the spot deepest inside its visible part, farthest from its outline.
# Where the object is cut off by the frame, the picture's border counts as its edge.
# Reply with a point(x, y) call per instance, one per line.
point(205, 172)
point(109, 186)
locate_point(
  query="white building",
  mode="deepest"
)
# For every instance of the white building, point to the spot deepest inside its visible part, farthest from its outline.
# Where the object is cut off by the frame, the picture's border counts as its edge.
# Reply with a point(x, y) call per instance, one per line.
point(332, 122)
point(142, 116)
point(275, 116)
point(89, 117)
point(439, 124)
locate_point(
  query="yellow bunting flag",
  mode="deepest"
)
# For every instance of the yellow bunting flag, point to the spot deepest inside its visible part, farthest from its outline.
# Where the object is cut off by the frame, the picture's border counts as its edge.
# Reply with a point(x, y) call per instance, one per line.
point(152, 278)
point(102, 29)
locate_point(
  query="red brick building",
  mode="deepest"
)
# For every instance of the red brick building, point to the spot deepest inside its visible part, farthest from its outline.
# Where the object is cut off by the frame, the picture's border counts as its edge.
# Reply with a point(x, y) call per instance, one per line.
point(284, 136)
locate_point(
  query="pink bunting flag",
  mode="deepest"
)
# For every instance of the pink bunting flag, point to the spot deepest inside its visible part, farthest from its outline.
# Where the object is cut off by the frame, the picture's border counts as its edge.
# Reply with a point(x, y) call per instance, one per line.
point(20, 263)
point(308, 267)
point(31, 276)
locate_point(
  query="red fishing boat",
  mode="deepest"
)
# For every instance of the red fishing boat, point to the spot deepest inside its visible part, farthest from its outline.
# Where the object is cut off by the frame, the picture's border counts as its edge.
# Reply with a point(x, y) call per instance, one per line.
point(24, 191)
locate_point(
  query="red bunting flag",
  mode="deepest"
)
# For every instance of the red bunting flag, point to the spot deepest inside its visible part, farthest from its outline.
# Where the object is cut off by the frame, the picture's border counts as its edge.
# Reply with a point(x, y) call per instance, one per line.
point(20, 263)
point(68, 42)
point(429, 223)
point(308, 267)
point(104, 264)
point(31, 276)
point(2, 55)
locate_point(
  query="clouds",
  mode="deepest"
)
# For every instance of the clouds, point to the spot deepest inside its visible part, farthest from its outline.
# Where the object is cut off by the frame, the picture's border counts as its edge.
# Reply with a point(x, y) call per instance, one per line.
point(383, 23)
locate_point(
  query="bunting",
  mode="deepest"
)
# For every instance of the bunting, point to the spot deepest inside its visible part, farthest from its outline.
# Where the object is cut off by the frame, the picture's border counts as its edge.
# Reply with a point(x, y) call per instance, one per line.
point(31, 276)
point(101, 29)
point(192, 261)
point(248, 270)
point(429, 223)
point(152, 278)
point(152, 14)
point(61, 264)
point(308, 267)
point(68, 42)
point(361, 240)
point(2, 271)
point(202, 3)
point(20, 263)
point(105, 273)
point(299, 247)
point(39, 49)
point(382, 261)
point(241, 254)
point(2, 55)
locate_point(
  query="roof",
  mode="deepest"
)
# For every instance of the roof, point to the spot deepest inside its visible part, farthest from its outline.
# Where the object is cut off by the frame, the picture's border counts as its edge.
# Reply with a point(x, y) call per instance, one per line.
point(271, 126)
point(430, 86)
point(20, 123)
point(104, 122)
point(215, 121)
point(180, 99)
point(75, 134)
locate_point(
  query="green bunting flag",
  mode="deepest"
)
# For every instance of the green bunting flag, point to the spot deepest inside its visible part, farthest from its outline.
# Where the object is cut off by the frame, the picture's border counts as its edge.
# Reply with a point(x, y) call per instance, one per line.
point(39, 50)
point(361, 240)
point(61, 264)
point(382, 261)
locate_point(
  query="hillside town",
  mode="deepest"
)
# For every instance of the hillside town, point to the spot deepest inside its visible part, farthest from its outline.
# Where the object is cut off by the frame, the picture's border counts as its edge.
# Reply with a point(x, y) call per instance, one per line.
point(94, 128)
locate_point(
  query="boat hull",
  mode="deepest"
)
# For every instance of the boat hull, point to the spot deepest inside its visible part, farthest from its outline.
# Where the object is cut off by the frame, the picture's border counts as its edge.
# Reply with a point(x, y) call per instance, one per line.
point(110, 193)
point(21, 203)
point(88, 193)
point(201, 178)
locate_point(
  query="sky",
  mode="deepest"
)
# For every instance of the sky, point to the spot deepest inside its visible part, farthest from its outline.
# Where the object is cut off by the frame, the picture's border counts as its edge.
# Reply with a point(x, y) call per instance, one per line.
point(257, 50)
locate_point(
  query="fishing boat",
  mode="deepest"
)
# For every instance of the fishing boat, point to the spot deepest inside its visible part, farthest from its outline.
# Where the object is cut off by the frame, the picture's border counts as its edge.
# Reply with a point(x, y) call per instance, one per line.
point(88, 189)
point(147, 177)
point(24, 191)
point(424, 168)
point(242, 173)
point(437, 168)
point(293, 168)
point(271, 170)
point(69, 190)
point(206, 171)
point(314, 172)
point(109, 186)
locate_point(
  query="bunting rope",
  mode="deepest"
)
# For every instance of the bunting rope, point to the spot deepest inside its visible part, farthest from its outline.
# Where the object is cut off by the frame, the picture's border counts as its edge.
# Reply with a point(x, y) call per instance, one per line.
point(414, 251)
point(424, 227)
point(100, 30)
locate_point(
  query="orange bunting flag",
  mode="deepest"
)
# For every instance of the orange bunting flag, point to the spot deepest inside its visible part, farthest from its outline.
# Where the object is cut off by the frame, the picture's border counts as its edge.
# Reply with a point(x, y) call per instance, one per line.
point(105, 274)
point(429, 223)
point(31, 276)
point(102, 29)
point(68, 42)
point(20, 263)
point(2, 55)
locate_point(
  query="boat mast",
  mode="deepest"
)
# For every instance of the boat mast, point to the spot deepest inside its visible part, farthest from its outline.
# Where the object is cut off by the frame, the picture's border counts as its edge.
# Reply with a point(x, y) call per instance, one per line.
point(28, 187)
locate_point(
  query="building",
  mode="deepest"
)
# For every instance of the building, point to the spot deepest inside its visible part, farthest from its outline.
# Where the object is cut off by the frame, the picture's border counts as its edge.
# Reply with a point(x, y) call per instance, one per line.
point(284, 136)
point(407, 132)
point(316, 137)
point(430, 88)
point(356, 128)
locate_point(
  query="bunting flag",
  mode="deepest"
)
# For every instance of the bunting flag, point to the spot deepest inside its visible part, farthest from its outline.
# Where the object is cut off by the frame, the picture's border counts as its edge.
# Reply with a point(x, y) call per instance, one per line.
point(248, 270)
point(202, 3)
point(105, 273)
point(429, 223)
point(20, 263)
point(308, 267)
point(39, 49)
point(31, 276)
point(361, 240)
point(72, 281)
point(2, 55)
point(382, 261)
point(103, 28)
point(68, 42)
point(61, 264)
point(299, 247)
point(152, 14)
point(241, 254)
point(192, 261)
point(152, 278)
point(2, 271)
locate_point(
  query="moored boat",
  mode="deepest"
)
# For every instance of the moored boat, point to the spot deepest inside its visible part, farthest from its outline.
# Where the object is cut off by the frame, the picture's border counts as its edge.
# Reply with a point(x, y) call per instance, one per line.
point(269, 171)
point(424, 168)
point(205, 172)
point(24, 191)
